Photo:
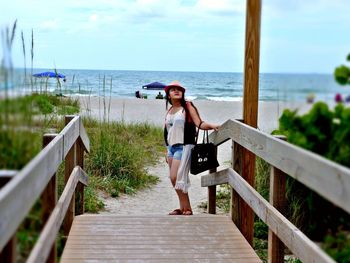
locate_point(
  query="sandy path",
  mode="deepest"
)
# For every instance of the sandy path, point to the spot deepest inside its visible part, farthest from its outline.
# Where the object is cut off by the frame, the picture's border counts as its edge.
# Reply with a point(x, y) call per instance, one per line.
point(161, 198)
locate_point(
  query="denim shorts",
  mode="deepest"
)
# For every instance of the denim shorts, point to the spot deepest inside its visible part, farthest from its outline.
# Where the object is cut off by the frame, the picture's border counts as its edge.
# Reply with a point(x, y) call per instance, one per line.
point(175, 151)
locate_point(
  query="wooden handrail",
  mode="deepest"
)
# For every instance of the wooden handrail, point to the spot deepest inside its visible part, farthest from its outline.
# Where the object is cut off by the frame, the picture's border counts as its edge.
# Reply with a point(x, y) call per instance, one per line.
point(21, 192)
point(47, 237)
point(293, 238)
point(312, 170)
point(6, 176)
point(84, 137)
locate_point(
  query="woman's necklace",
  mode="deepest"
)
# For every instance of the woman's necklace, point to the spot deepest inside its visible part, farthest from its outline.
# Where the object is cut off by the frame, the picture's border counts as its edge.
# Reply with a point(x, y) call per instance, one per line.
point(175, 109)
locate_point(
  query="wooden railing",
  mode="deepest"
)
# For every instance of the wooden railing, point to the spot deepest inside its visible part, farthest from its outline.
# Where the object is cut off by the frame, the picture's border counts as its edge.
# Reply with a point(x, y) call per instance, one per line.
point(330, 180)
point(38, 179)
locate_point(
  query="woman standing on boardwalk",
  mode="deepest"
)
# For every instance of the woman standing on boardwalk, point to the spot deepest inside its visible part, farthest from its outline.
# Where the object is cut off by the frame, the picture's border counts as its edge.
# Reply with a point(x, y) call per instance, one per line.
point(181, 121)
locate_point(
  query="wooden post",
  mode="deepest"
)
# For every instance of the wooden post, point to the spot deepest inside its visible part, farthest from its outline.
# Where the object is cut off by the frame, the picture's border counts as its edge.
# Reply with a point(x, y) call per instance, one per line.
point(212, 193)
point(278, 200)
point(70, 162)
point(79, 204)
point(49, 199)
point(250, 103)
point(8, 253)
point(236, 200)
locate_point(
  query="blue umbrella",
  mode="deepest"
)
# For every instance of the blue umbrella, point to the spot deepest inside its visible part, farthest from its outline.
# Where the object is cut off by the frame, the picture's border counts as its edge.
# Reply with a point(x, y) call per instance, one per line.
point(154, 86)
point(49, 74)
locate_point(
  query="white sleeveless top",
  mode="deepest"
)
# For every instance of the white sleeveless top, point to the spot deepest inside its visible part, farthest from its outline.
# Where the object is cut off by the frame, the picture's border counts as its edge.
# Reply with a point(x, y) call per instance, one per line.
point(175, 125)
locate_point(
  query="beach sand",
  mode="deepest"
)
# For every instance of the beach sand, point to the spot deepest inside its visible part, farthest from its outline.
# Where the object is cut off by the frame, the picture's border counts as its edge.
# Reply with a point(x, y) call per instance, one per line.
point(161, 198)
point(132, 110)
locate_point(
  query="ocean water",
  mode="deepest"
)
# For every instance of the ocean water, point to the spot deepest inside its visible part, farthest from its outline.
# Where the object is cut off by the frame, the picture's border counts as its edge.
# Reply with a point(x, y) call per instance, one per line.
point(199, 85)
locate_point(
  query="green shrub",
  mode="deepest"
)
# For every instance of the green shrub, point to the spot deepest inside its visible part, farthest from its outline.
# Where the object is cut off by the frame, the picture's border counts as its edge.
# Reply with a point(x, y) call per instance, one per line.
point(120, 153)
point(342, 74)
point(338, 246)
point(326, 133)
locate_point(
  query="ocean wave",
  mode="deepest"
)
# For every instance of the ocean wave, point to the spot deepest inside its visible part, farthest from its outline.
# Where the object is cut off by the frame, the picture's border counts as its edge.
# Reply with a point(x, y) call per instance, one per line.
point(225, 98)
point(190, 98)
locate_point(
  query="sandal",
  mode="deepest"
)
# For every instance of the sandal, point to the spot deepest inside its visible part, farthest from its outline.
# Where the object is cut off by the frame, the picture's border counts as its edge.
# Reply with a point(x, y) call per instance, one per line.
point(187, 213)
point(176, 212)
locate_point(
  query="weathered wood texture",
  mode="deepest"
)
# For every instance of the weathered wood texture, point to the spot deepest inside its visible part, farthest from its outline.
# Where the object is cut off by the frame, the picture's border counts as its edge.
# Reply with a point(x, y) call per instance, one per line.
point(20, 193)
point(6, 176)
point(300, 245)
point(312, 170)
point(85, 141)
point(221, 177)
point(250, 104)
point(251, 63)
point(212, 193)
point(47, 238)
point(49, 200)
point(69, 164)
point(8, 253)
point(79, 199)
point(277, 200)
point(292, 237)
point(157, 238)
point(236, 202)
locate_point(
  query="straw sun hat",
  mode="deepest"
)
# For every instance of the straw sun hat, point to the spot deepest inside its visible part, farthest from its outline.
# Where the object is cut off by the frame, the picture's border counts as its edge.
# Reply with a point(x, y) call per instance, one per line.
point(173, 84)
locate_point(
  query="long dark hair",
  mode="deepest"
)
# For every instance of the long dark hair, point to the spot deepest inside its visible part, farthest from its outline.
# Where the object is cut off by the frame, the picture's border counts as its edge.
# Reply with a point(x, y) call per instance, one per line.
point(183, 104)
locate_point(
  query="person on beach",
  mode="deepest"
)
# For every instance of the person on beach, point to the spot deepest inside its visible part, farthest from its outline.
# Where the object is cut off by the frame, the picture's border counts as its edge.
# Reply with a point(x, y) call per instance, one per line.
point(181, 121)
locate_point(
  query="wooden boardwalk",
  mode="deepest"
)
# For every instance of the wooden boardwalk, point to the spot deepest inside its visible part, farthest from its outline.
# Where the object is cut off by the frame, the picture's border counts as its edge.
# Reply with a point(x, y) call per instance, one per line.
point(156, 238)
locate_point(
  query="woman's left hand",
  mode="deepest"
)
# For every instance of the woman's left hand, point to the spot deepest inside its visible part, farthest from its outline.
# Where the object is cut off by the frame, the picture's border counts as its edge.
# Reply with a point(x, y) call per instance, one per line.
point(216, 127)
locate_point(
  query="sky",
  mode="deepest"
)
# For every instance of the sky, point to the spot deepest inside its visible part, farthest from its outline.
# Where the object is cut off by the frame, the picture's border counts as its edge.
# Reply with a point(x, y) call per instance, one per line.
point(178, 35)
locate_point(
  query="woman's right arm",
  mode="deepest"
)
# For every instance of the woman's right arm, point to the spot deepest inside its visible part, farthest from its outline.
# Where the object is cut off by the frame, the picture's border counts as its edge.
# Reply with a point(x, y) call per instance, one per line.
point(198, 121)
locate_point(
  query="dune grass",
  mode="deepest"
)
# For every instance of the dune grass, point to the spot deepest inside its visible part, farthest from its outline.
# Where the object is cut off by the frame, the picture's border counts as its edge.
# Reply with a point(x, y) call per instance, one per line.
point(116, 164)
point(119, 154)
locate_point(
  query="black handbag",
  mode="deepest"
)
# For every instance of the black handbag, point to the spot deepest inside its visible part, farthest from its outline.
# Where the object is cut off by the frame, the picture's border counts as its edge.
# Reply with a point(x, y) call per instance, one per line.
point(203, 156)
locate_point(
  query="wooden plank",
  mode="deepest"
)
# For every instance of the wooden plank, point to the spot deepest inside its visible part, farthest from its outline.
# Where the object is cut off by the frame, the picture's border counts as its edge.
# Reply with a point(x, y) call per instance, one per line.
point(250, 104)
point(49, 200)
point(278, 201)
point(245, 212)
point(137, 239)
point(70, 132)
point(192, 245)
point(8, 254)
point(236, 201)
point(212, 193)
point(215, 178)
point(8, 173)
point(83, 136)
point(79, 202)
point(172, 238)
point(301, 246)
point(169, 260)
point(18, 195)
point(6, 176)
point(251, 63)
point(312, 170)
point(42, 247)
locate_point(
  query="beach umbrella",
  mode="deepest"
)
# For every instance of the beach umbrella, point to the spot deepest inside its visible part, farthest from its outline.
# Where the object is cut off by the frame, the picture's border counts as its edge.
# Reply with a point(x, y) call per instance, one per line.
point(154, 86)
point(49, 74)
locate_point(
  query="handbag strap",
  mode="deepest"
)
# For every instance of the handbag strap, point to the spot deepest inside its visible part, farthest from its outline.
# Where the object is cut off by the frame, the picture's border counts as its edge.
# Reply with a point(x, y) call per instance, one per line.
point(198, 131)
point(206, 134)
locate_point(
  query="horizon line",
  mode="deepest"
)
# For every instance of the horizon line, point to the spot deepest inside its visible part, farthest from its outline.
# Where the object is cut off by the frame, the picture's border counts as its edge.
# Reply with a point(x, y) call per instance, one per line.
point(181, 71)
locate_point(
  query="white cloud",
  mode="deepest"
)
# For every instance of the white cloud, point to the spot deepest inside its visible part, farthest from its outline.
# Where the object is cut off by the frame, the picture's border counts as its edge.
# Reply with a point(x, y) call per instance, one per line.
point(93, 17)
point(49, 24)
point(220, 7)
